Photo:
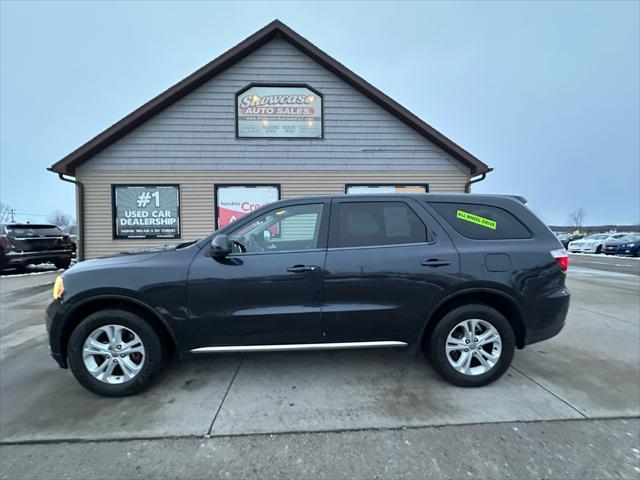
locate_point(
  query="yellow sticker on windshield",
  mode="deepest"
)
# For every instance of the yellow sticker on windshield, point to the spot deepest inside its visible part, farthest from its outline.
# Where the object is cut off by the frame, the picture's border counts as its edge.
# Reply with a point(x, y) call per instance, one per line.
point(477, 219)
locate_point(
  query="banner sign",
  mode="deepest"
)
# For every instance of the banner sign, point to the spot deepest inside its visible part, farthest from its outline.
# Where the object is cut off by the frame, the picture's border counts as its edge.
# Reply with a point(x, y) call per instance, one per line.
point(146, 211)
point(279, 111)
point(235, 201)
point(355, 189)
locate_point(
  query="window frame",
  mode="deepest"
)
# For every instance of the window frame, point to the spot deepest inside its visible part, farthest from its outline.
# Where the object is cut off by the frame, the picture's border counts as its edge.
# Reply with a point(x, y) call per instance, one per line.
point(323, 229)
point(408, 202)
point(217, 186)
point(401, 185)
point(283, 85)
point(150, 186)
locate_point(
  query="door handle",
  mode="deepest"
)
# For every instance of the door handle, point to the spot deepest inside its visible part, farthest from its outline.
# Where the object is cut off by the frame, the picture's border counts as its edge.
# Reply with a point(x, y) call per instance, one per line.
point(434, 262)
point(302, 268)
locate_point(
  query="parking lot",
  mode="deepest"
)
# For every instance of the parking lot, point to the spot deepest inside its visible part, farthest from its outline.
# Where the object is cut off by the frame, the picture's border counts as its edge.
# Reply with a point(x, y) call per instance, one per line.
point(567, 407)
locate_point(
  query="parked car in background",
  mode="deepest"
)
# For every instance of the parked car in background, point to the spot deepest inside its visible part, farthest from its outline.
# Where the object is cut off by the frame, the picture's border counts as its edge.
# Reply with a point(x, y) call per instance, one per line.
point(353, 271)
point(565, 238)
point(590, 244)
point(612, 244)
point(72, 231)
point(22, 244)
point(631, 247)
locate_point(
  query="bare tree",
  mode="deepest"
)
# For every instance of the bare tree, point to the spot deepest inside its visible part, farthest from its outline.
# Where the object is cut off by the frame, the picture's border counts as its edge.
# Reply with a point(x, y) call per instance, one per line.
point(577, 217)
point(6, 212)
point(60, 219)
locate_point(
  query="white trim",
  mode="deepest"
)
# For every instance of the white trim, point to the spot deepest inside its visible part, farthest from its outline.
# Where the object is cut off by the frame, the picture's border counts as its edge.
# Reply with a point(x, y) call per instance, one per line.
point(298, 346)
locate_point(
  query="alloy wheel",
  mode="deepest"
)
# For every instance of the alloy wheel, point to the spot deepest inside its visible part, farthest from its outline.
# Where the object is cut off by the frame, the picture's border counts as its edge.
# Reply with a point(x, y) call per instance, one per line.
point(473, 347)
point(113, 354)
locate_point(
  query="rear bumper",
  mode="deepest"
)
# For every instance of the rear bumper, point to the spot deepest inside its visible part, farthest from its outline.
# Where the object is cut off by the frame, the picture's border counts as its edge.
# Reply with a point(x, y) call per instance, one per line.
point(549, 317)
point(24, 258)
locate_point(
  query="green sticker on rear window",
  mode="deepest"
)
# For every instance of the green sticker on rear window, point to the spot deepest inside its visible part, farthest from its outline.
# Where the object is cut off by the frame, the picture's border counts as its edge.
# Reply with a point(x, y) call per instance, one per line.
point(470, 217)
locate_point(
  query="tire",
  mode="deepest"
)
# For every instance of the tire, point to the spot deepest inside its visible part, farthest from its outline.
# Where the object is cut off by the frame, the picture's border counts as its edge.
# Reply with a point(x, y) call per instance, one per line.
point(599, 249)
point(148, 362)
point(439, 358)
point(62, 264)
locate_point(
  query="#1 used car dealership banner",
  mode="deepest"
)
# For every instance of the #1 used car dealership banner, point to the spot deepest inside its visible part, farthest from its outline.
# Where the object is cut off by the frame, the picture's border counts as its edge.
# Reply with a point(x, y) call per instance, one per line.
point(283, 111)
point(233, 202)
point(146, 211)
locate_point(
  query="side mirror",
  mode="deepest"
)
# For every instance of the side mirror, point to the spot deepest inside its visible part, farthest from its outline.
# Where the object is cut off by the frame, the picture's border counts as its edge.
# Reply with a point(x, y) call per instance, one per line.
point(220, 246)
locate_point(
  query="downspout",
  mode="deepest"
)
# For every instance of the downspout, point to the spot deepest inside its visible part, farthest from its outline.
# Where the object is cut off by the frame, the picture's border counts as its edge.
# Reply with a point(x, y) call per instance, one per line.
point(80, 212)
point(467, 186)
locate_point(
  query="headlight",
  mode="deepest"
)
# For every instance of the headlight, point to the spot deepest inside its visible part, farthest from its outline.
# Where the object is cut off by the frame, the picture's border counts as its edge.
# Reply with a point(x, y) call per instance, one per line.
point(58, 288)
point(630, 245)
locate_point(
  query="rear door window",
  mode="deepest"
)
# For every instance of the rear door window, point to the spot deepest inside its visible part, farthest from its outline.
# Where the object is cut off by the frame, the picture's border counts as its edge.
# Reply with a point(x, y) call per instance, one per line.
point(361, 224)
point(481, 222)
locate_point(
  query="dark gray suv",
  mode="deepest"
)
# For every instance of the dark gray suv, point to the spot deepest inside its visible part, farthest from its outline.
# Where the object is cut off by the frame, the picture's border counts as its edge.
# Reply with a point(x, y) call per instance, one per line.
point(464, 278)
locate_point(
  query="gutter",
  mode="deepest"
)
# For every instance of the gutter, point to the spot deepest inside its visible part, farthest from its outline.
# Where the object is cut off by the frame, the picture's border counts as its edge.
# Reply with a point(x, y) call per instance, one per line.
point(467, 186)
point(80, 212)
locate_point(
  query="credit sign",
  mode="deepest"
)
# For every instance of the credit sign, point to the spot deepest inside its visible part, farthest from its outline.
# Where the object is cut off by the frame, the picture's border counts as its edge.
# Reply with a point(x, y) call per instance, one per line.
point(235, 201)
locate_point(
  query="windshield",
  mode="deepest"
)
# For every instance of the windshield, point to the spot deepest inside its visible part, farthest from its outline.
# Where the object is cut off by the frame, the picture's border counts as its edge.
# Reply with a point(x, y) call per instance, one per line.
point(30, 231)
point(598, 236)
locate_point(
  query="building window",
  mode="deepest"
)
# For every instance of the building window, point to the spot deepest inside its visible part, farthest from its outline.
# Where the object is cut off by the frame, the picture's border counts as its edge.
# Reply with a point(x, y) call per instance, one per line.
point(145, 211)
point(353, 188)
point(235, 201)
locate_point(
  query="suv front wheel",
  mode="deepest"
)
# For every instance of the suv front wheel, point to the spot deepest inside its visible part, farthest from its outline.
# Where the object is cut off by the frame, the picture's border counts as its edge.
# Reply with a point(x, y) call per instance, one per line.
point(472, 345)
point(114, 353)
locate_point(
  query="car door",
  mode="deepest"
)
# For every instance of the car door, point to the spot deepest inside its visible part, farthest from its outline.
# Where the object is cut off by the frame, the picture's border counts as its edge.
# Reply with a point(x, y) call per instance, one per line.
point(269, 291)
point(388, 263)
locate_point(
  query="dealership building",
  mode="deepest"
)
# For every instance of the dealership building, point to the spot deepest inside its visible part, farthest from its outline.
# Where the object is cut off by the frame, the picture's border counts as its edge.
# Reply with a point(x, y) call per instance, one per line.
point(272, 118)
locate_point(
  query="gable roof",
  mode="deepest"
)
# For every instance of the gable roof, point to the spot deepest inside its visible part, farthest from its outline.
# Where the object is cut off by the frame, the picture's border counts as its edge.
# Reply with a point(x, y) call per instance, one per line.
point(274, 29)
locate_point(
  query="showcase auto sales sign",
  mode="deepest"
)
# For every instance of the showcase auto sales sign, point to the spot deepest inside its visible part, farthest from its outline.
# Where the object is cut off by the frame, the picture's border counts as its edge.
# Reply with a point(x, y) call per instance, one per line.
point(290, 112)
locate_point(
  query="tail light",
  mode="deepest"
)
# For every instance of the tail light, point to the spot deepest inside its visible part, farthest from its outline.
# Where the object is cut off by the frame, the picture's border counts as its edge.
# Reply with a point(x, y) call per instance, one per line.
point(561, 258)
point(5, 243)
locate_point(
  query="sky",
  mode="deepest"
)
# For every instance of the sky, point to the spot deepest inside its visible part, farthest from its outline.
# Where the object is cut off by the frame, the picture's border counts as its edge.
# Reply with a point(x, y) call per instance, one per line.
point(546, 93)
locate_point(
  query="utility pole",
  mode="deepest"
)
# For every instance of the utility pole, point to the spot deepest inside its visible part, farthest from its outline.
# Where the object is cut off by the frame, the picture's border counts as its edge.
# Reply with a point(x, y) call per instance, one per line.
point(13, 213)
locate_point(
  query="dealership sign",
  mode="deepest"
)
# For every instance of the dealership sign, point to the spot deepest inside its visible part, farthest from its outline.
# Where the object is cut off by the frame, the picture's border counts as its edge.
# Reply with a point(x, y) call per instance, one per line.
point(235, 201)
point(279, 111)
point(146, 211)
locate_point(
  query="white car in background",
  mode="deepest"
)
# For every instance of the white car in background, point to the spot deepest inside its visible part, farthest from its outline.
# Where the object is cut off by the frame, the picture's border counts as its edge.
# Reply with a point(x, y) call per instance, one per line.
point(591, 244)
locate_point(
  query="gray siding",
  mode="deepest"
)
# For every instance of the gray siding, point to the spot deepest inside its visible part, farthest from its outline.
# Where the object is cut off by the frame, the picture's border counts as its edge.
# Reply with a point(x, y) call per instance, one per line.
point(198, 132)
point(197, 195)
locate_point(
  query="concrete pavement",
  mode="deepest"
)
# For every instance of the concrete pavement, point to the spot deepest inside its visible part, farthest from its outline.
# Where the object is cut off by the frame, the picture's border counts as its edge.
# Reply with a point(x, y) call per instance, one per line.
point(591, 370)
point(560, 449)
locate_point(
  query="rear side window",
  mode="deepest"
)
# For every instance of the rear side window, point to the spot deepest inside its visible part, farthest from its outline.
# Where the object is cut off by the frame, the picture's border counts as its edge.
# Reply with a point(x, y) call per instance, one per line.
point(481, 222)
point(378, 223)
point(33, 231)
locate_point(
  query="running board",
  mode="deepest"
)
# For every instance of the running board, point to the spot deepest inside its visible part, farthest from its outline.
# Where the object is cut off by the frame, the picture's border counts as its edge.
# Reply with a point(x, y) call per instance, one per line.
point(298, 346)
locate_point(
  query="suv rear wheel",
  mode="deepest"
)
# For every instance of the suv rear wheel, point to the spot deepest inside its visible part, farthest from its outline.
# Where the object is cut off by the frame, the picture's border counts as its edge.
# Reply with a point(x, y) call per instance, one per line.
point(114, 353)
point(472, 345)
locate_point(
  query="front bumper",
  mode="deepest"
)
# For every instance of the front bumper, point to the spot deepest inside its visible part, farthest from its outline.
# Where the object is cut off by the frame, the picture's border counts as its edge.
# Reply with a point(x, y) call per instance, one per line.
point(54, 323)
